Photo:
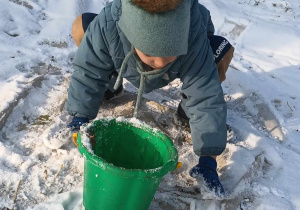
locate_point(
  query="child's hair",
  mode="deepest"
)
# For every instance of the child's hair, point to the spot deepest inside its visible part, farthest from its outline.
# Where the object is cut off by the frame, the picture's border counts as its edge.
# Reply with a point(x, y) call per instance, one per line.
point(157, 6)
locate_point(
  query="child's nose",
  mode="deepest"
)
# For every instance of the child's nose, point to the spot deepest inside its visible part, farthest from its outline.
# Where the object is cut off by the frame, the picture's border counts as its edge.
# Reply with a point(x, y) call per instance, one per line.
point(160, 63)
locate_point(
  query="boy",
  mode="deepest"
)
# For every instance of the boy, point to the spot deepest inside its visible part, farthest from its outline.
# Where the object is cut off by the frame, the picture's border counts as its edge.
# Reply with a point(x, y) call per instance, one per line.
point(151, 43)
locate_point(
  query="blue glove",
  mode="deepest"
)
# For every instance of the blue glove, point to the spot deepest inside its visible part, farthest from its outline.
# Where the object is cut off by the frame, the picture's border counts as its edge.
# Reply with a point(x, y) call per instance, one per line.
point(77, 122)
point(207, 168)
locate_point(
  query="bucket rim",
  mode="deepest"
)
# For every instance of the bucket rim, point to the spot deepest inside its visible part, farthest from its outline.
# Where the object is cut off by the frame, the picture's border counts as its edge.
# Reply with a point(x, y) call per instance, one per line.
point(170, 165)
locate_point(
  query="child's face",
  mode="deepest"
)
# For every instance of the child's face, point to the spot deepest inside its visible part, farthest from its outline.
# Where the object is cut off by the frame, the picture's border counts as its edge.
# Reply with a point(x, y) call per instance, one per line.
point(155, 62)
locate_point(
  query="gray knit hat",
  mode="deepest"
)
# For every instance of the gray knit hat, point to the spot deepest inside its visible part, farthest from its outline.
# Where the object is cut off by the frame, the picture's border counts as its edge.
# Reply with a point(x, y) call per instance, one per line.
point(157, 34)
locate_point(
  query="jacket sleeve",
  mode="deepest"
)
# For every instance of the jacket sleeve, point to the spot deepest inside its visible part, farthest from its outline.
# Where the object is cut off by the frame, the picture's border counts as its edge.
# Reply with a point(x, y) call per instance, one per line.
point(210, 27)
point(207, 20)
point(205, 104)
point(92, 67)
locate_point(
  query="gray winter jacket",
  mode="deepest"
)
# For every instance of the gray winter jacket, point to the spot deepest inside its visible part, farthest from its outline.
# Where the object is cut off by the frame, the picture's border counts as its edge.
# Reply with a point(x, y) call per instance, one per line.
point(103, 49)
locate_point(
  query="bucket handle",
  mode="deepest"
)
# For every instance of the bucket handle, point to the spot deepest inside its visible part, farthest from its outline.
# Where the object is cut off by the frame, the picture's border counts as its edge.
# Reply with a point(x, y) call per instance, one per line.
point(179, 165)
point(91, 136)
point(75, 136)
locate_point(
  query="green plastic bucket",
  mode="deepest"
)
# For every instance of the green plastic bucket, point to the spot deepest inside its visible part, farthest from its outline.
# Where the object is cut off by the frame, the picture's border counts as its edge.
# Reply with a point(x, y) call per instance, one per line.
point(125, 166)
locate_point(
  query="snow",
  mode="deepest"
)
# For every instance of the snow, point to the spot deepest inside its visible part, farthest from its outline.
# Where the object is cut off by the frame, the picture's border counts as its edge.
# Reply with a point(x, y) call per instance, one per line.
point(86, 141)
point(261, 163)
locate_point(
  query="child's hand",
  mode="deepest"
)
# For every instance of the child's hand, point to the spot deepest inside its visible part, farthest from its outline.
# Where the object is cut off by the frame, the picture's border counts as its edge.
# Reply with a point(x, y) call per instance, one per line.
point(77, 122)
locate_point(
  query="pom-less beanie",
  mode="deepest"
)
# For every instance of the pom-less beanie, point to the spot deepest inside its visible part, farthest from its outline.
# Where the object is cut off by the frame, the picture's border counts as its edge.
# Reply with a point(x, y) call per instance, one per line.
point(157, 34)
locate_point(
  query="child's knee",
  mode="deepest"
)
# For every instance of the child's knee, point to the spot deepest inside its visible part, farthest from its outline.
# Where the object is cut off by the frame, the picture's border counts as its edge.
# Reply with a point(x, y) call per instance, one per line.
point(223, 64)
point(77, 30)
point(80, 26)
point(223, 53)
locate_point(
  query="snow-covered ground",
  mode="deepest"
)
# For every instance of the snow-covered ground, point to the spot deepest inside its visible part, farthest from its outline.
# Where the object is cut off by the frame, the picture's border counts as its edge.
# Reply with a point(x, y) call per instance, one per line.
point(261, 165)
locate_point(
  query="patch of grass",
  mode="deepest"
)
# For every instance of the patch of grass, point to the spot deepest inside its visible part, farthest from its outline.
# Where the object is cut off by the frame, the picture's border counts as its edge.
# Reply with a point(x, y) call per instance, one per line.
point(42, 120)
